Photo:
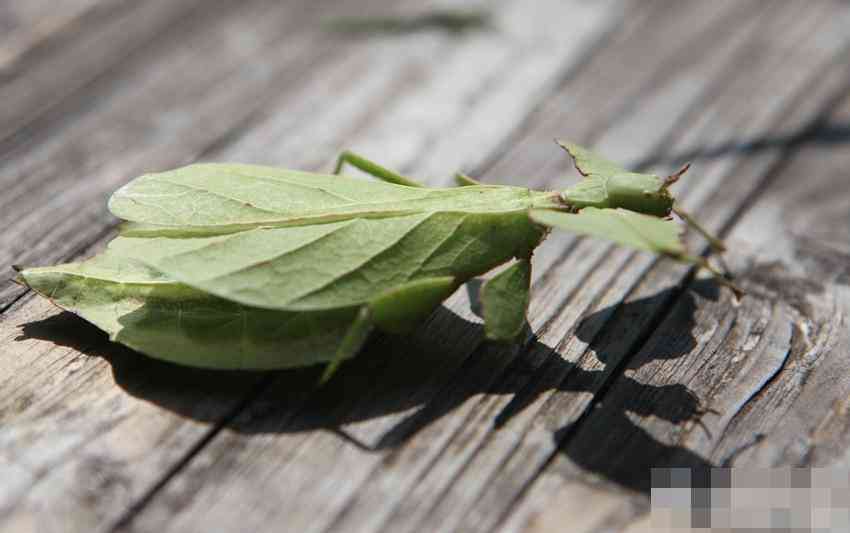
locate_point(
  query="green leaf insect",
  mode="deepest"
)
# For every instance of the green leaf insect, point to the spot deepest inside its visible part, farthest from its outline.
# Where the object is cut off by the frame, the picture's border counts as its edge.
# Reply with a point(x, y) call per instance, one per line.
point(251, 267)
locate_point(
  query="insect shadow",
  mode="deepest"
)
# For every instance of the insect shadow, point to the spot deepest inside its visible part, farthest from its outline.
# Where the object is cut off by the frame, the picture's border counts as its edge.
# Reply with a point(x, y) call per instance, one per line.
point(398, 387)
point(821, 133)
point(450, 21)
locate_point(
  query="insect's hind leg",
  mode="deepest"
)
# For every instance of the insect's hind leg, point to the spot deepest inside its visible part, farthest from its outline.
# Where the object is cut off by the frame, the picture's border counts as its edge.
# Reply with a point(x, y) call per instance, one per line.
point(397, 310)
point(373, 169)
point(354, 339)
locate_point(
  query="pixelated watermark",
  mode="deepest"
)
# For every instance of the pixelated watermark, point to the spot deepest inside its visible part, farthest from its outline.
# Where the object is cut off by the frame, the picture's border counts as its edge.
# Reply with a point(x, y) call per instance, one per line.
point(750, 499)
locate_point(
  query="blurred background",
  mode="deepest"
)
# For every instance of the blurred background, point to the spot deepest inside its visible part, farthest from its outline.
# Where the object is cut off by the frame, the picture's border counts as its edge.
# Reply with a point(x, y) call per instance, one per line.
point(755, 94)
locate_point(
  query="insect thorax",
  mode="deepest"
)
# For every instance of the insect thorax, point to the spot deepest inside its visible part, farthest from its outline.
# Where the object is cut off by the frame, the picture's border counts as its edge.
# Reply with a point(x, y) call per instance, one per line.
point(641, 193)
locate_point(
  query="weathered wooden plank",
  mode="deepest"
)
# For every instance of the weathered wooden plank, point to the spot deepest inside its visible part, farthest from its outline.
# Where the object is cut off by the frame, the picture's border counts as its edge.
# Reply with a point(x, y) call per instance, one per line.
point(514, 61)
point(68, 468)
point(66, 49)
point(746, 363)
point(27, 26)
point(75, 447)
point(772, 371)
point(797, 236)
point(316, 456)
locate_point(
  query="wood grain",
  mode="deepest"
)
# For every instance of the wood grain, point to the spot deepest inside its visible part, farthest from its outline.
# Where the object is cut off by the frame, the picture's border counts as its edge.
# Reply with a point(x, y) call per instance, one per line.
point(453, 411)
point(29, 27)
point(58, 53)
point(629, 362)
point(737, 354)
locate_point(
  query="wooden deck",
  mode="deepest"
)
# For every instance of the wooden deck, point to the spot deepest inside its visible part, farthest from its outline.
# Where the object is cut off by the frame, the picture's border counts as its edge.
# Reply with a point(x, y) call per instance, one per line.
point(634, 362)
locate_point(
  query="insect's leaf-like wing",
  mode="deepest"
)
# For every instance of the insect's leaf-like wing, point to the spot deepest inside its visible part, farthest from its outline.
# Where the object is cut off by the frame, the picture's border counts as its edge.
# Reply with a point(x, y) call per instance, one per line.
point(210, 199)
point(284, 268)
point(146, 311)
point(336, 264)
point(285, 240)
point(624, 227)
point(226, 196)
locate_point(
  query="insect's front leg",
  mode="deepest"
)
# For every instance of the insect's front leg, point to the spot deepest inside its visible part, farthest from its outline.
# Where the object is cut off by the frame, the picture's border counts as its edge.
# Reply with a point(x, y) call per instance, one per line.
point(373, 169)
point(716, 244)
point(505, 301)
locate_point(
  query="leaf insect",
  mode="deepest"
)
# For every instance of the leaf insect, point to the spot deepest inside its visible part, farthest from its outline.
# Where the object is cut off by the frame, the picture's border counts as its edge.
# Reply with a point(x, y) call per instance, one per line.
point(250, 267)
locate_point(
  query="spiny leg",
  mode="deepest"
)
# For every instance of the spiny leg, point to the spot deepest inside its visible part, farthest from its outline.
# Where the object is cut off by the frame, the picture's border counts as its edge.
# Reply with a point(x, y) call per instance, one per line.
point(505, 301)
point(354, 339)
point(373, 169)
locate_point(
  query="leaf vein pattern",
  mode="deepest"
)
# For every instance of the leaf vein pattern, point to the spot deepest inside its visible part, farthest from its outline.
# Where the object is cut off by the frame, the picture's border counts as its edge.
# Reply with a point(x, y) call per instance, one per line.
point(274, 181)
point(245, 268)
point(178, 220)
point(384, 250)
point(634, 231)
point(445, 239)
point(213, 193)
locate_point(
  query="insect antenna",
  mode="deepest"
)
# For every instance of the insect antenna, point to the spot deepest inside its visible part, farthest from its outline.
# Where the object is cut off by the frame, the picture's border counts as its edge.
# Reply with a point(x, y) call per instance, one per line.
point(716, 244)
point(673, 178)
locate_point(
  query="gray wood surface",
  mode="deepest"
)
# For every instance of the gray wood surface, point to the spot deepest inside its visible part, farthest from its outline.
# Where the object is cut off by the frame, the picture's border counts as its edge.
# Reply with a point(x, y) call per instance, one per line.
point(630, 362)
